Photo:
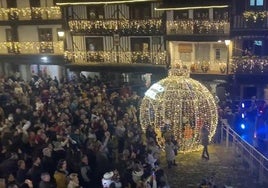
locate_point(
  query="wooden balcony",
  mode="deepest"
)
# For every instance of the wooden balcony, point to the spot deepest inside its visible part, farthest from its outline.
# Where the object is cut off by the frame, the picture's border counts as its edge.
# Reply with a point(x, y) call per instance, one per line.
point(197, 27)
point(250, 64)
point(27, 13)
point(113, 57)
point(123, 27)
point(56, 48)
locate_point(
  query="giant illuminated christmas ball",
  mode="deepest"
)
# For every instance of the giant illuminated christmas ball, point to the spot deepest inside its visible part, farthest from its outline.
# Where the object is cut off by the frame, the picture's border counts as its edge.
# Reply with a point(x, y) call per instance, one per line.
point(178, 106)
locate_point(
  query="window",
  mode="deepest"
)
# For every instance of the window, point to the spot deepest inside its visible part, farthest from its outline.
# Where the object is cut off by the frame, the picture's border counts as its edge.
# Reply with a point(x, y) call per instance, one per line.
point(94, 44)
point(140, 44)
point(36, 14)
point(140, 48)
point(140, 11)
point(202, 52)
point(220, 14)
point(45, 39)
point(11, 4)
point(45, 34)
point(95, 12)
point(12, 15)
point(201, 14)
point(217, 54)
point(34, 3)
point(185, 50)
point(10, 37)
point(94, 47)
point(256, 2)
point(186, 57)
point(178, 15)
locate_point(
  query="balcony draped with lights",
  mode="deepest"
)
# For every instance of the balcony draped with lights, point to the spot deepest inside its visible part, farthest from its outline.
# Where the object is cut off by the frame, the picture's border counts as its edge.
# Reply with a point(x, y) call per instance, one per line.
point(27, 13)
point(124, 26)
point(56, 47)
point(205, 27)
point(113, 57)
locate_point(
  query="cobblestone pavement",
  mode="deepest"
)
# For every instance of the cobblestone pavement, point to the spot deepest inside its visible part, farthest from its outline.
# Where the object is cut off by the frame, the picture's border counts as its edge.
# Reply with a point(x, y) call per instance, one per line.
point(224, 166)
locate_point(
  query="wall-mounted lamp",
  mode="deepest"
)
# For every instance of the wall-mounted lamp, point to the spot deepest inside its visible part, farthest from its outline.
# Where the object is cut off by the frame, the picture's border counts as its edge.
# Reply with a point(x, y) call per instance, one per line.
point(227, 42)
point(61, 34)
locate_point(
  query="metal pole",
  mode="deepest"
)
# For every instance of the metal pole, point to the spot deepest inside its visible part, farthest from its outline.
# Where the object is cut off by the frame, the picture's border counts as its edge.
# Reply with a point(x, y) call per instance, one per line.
point(222, 132)
point(261, 171)
point(227, 136)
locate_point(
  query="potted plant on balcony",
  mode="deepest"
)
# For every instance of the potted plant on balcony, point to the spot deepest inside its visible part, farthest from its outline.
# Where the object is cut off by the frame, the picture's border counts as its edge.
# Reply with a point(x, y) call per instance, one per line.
point(205, 66)
point(193, 67)
point(222, 67)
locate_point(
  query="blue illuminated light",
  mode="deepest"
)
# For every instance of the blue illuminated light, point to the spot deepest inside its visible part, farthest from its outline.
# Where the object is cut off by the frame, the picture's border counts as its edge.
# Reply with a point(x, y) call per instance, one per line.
point(243, 115)
point(242, 126)
point(243, 105)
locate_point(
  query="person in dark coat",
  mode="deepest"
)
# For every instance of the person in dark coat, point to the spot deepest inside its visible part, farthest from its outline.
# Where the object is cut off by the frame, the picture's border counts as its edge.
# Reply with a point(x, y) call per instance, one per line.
point(86, 173)
point(22, 172)
point(204, 141)
point(35, 171)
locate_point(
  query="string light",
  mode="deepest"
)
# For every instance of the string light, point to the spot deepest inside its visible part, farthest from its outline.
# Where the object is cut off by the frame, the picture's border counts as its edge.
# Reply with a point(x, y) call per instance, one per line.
point(32, 47)
point(249, 64)
point(255, 15)
point(157, 58)
point(197, 26)
point(183, 105)
point(150, 26)
point(27, 13)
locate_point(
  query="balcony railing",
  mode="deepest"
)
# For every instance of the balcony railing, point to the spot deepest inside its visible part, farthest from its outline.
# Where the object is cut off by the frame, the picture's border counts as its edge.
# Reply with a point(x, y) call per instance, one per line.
point(113, 57)
point(27, 13)
point(240, 22)
point(32, 47)
point(207, 67)
point(124, 27)
point(198, 27)
point(251, 64)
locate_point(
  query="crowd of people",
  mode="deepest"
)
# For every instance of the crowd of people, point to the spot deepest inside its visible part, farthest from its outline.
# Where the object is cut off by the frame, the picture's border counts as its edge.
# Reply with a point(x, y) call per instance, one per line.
point(82, 132)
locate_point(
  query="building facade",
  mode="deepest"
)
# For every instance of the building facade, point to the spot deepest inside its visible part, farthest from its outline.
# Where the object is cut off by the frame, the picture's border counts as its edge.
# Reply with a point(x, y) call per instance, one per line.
point(223, 43)
point(249, 31)
point(29, 41)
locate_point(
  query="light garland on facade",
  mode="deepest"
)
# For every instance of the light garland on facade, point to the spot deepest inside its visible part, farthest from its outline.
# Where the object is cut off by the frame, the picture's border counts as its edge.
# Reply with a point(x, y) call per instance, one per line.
point(248, 64)
point(181, 104)
point(32, 47)
point(27, 13)
point(151, 26)
point(157, 58)
point(254, 16)
point(197, 27)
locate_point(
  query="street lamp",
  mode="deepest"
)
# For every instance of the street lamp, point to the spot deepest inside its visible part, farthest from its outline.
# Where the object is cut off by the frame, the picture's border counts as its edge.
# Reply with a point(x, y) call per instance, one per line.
point(227, 43)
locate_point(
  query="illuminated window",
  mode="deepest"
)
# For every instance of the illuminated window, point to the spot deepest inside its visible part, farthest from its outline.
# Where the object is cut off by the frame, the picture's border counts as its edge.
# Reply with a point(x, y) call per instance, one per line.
point(256, 2)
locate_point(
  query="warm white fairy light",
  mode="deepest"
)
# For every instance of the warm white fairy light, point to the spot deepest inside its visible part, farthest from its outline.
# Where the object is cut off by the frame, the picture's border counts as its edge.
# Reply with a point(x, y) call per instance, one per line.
point(185, 103)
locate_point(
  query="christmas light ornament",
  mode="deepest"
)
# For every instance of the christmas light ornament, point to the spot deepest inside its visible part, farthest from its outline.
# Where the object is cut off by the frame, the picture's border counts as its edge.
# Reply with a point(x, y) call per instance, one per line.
point(178, 106)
